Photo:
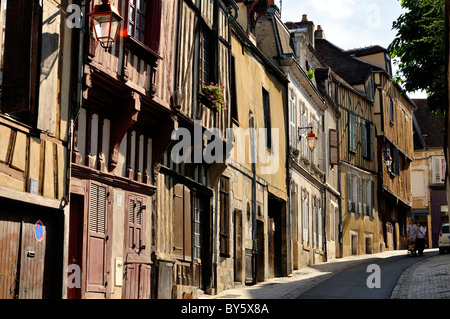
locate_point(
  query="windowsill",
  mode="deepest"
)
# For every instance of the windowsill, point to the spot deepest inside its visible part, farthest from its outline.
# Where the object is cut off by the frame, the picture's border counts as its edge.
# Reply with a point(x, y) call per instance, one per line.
point(141, 49)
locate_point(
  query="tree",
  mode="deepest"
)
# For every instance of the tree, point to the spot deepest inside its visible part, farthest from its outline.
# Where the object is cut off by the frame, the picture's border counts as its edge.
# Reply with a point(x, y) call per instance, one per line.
point(420, 47)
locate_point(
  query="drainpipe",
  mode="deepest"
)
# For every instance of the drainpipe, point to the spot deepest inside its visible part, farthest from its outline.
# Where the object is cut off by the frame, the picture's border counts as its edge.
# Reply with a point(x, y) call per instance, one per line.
point(341, 251)
point(254, 208)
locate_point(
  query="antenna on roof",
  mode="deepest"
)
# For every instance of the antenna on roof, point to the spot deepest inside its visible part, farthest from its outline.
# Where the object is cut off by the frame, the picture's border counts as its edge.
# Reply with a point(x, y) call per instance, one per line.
point(281, 6)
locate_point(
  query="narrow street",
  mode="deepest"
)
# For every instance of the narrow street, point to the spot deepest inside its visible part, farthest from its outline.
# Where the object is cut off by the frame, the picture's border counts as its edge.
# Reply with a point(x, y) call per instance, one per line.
point(352, 282)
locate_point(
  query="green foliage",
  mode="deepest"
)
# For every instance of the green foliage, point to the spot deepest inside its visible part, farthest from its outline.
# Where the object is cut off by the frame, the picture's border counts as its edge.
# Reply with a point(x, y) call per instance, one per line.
point(419, 45)
point(311, 74)
point(214, 93)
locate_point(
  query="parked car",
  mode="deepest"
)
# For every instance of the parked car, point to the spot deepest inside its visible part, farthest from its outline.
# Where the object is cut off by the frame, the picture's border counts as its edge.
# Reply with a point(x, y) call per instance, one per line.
point(444, 238)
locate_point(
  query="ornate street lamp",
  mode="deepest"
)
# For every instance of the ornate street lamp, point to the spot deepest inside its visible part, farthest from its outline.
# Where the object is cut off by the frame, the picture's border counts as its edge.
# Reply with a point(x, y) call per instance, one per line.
point(106, 20)
point(388, 161)
point(311, 139)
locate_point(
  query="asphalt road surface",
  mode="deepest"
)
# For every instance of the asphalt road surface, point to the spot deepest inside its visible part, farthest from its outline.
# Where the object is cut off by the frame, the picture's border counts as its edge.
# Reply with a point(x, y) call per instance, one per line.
point(353, 283)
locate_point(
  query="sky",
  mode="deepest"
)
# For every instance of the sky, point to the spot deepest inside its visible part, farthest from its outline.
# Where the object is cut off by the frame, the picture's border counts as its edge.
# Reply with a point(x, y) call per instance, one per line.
point(349, 24)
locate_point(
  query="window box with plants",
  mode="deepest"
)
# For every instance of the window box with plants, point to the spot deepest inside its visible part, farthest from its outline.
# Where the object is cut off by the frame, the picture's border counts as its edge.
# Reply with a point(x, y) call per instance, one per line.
point(213, 96)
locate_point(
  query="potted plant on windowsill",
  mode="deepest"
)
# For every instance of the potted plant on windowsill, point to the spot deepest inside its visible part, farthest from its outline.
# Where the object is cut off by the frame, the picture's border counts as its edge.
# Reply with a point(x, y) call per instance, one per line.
point(214, 94)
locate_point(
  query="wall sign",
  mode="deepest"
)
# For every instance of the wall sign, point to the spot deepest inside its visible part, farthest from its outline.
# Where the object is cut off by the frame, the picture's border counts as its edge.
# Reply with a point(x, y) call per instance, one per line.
point(39, 230)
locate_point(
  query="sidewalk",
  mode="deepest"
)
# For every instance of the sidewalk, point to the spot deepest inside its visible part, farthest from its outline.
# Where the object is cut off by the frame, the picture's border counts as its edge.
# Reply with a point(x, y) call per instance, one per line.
point(428, 279)
point(435, 287)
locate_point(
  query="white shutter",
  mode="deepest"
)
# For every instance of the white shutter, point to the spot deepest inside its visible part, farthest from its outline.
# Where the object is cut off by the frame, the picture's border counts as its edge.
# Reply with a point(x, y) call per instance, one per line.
point(436, 170)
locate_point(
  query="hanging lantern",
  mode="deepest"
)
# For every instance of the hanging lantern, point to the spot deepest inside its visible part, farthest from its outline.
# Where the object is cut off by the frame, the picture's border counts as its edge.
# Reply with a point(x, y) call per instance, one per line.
point(106, 20)
point(388, 161)
point(311, 139)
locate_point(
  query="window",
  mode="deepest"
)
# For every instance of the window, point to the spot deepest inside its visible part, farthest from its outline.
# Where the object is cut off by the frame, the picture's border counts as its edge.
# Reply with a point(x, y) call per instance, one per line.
point(353, 202)
point(352, 132)
point(334, 147)
point(305, 216)
point(144, 22)
point(293, 119)
point(367, 140)
point(204, 59)
point(267, 122)
point(368, 197)
point(390, 149)
point(315, 154)
point(224, 217)
point(136, 19)
point(360, 195)
point(234, 111)
point(306, 153)
point(438, 169)
point(20, 44)
point(391, 111)
point(317, 221)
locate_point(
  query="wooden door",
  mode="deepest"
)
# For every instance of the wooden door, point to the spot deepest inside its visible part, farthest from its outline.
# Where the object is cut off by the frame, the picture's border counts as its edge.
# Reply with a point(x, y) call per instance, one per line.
point(31, 246)
point(137, 281)
point(75, 239)
point(32, 258)
point(10, 225)
point(202, 243)
point(96, 263)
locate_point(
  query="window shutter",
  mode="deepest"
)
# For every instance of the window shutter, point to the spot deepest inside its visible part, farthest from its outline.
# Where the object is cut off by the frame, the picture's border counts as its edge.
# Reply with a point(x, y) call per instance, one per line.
point(96, 259)
point(349, 191)
point(135, 220)
point(187, 224)
point(131, 230)
point(154, 29)
point(334, 147)
point(364, 196)
point(224, 217)
point(443, 169)
point(372, 189)
point(397, 161)
point(371, 137)
point(178, 221)
point(358, 190)
point(437, 170)
point(352, 132)
point(363, 138)
point(97, 215)
point(20, 55)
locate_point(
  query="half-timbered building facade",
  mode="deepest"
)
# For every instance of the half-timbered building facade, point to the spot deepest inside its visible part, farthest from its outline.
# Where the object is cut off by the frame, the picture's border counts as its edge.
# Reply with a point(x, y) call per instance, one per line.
point(379, 123)
point(123, 124)
point(259, 231)
point(192, 197)
point(35, 130)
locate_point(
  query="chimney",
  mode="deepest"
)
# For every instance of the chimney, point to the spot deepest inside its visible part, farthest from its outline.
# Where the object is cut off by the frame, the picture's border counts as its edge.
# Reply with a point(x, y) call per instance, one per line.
point(319, 33)
point(309, 25)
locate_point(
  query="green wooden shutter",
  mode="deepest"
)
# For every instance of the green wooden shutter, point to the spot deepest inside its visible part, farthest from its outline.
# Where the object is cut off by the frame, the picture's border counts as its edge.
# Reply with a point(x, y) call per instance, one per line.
point(364, 196)
point(349, 191)
point(364, 138)
point(372, 188)
point(371, 137)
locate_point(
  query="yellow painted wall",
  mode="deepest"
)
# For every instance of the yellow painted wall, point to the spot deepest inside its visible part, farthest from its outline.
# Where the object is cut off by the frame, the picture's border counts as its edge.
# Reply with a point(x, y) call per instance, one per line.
point(359, 224)
point(251, 78)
